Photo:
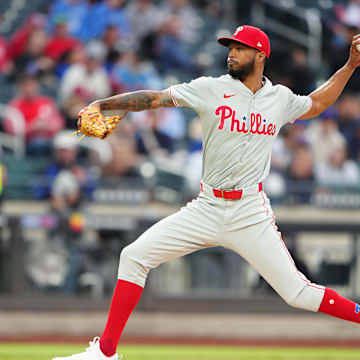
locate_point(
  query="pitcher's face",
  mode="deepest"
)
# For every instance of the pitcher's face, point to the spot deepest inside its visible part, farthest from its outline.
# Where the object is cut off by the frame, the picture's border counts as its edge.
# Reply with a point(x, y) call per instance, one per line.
point(241, 61)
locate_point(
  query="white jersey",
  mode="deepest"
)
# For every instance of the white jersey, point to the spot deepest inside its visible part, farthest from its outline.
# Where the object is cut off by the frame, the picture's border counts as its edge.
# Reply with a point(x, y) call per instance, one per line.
point(238, 127)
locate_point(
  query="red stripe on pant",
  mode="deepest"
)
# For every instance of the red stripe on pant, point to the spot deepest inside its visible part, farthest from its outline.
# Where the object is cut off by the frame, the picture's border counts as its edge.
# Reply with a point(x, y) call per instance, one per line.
point(336, 305)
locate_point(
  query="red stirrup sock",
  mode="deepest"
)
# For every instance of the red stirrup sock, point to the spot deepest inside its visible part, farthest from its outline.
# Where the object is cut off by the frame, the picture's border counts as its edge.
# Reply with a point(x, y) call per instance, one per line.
point(335, 305)
point(126, 296)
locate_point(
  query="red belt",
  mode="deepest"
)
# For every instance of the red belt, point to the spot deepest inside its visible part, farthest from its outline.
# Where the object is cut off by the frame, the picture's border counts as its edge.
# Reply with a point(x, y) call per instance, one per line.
point(231, 194)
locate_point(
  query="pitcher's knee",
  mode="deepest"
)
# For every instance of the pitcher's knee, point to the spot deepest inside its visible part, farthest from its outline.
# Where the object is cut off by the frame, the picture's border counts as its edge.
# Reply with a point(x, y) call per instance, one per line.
point(306, 298)
point(132, 266)
point(295, 302)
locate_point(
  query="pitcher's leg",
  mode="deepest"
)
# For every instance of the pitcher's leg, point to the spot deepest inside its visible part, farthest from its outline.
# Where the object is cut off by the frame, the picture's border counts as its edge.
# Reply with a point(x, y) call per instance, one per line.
point(170, 238)
point(126, 296)
point(177, 235)
point(262, 246)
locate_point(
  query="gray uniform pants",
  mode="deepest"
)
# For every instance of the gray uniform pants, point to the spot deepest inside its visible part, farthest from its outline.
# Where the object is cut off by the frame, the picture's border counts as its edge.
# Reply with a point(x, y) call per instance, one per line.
point(246, 226)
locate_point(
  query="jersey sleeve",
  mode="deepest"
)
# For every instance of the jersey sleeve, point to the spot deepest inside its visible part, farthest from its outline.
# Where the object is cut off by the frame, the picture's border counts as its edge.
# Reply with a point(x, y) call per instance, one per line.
point(192, 94)
point(297, 106)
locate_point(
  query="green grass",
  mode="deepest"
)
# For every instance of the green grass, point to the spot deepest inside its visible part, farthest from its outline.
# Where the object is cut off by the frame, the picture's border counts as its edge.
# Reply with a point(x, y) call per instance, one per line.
point(141, 352)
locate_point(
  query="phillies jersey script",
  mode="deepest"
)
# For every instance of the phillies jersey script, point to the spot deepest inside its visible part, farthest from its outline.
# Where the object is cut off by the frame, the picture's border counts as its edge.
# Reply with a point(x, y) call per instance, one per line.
point(238, 126)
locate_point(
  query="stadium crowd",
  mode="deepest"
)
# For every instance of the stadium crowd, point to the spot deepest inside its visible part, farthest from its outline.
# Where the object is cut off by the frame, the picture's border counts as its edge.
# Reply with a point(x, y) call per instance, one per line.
point(76, 51)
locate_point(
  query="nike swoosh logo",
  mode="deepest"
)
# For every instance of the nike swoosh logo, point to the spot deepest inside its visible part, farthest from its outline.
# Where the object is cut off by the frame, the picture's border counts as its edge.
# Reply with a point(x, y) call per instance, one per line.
point(227, 96)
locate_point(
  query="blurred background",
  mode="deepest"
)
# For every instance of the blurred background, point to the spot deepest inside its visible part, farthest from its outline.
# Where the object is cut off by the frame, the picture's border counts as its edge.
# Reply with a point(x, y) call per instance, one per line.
point(67, 208)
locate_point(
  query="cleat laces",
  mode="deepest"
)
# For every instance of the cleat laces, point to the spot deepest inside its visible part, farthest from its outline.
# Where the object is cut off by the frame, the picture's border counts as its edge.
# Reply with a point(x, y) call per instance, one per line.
point(94, 342)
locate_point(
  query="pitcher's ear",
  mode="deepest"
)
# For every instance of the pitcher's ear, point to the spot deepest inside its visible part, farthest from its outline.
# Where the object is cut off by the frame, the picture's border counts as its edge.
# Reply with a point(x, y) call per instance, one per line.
point(261, 57)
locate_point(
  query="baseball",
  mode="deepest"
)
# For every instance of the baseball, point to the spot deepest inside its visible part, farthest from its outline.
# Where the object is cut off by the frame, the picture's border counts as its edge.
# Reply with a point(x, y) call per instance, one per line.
point(358, 47)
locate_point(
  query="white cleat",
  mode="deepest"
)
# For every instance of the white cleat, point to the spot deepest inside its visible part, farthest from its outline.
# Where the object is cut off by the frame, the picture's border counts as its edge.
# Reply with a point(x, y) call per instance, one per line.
point(93, 352)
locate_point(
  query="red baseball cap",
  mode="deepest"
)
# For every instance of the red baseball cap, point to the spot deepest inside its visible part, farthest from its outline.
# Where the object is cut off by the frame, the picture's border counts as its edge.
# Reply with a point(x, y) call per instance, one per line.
point(250, 36)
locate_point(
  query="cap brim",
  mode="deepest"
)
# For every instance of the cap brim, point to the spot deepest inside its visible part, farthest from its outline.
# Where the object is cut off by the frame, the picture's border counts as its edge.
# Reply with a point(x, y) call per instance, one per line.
point(225, 41)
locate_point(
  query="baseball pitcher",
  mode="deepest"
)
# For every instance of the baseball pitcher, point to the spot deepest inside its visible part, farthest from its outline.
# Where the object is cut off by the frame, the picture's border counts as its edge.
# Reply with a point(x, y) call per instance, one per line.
point(242, 112)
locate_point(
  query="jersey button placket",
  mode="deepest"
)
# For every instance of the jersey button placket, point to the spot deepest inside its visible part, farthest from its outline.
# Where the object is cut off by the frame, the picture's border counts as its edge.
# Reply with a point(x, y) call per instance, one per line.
point(247, 135)
point(248, 120)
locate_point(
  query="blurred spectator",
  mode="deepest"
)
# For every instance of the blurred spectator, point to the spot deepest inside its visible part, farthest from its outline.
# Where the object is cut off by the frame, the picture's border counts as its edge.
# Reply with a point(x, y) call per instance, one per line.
point(76, 55)
point(42, 118)
point(159, 132)
point(339, 172)
point(169, 51)
point(66, 203)
point(111, 40)
point(125, 160)
point(300, 176)
point(19, 40)
point(60, 42)
point(5, 61)
point(172, 123)
point(323, 135)
point(354, 144)
point(298, 74)
point(169, 121)
point(151, 140)
point(73, 10)
point(195, 135)
point(88, 76)
point(339, 54)
point(93, 21)
point(349, 112)
point(3, 177)
point(144, 18)
point(116, 15)
point(79, 98)
point(65, 161)
point(98, 15)
point(33, 60)
point(188, 21)
point(275, 186)
point(284, 146)
point(130, 74)
point(215, 11)
point(65, 191)
point(67, 184)
point(349, 13)
point(74, 104)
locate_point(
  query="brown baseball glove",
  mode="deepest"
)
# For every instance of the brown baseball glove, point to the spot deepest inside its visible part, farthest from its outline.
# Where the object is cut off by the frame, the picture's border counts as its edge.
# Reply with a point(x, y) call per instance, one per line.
point(92, 123)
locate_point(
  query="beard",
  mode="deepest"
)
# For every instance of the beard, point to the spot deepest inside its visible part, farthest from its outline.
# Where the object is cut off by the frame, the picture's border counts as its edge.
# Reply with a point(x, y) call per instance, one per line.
point(242, 72)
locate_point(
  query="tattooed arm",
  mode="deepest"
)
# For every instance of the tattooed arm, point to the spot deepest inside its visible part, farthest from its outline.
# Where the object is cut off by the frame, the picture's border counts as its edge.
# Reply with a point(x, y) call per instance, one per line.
point(136, 101)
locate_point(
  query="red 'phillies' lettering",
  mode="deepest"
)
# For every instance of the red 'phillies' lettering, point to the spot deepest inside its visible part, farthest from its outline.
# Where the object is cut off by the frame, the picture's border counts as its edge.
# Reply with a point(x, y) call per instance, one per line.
point(239, 127)
point(258, 125)
point(226, 112)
